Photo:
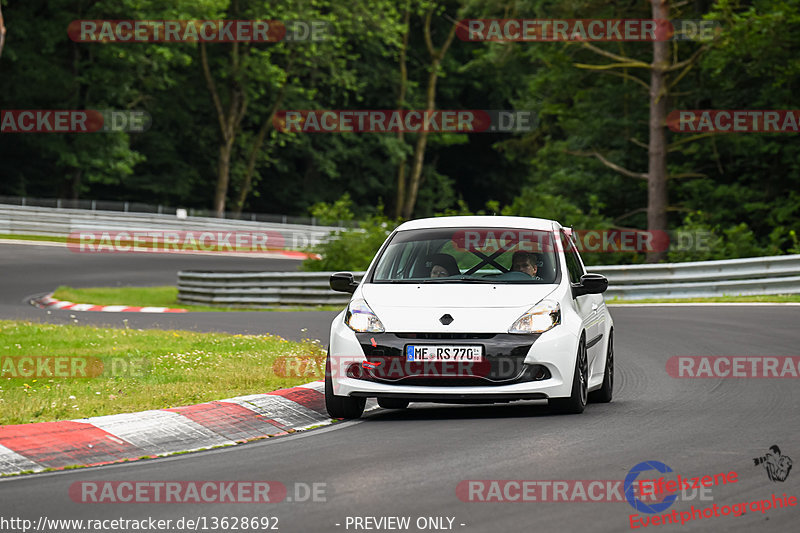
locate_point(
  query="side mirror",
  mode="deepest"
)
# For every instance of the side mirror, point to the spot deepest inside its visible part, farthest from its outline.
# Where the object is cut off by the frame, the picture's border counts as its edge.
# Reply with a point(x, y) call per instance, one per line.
point(590, 284)
point(343, 282)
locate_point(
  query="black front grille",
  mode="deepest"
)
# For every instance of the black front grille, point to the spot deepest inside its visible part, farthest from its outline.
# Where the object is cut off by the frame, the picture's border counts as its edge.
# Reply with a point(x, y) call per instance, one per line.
point(503, 363)
point(526, 373)
point(447, 336)
point(454, 382)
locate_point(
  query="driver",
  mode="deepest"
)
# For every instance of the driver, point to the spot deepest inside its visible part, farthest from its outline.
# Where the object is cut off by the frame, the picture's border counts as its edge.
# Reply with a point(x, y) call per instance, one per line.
point(443, 265)
point(527, 262)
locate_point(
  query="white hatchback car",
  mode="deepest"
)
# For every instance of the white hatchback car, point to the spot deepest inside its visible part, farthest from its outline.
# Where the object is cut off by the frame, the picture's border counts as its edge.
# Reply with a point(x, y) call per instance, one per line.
point(471, 309)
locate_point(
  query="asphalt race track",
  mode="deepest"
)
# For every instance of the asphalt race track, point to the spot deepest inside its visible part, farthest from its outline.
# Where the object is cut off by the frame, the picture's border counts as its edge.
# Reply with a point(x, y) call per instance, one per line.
point(409, 463)
point(27, 271)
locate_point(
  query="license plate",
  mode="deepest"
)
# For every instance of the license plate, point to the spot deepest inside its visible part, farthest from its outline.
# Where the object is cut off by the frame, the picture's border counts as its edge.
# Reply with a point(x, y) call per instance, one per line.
point(440, 352)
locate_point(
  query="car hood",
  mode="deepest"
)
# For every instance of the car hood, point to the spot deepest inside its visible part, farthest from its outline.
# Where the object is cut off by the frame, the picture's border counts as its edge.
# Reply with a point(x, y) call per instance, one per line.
point(480, 308)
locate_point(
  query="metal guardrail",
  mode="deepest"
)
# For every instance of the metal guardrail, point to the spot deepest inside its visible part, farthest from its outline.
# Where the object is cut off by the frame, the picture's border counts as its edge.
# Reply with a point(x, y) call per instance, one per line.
point(62, 222)
point(138, 207)
point(749, 276)
point(259, 289)
point(758, 275)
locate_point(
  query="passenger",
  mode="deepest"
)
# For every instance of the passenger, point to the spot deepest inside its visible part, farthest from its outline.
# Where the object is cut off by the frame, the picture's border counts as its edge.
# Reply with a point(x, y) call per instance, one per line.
point(443, 265)
point(527, 262)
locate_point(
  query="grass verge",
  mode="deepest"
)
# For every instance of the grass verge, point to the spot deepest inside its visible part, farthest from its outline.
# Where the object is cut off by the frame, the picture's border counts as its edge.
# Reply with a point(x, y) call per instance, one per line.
point(766, 298)
point(135, 370)
point(44, 238)
point(168, 297)
point(154, 297)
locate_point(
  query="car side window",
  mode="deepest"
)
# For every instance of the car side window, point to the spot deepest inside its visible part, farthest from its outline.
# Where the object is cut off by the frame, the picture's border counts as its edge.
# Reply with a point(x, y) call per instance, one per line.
point(397, 262)
point(574, 266)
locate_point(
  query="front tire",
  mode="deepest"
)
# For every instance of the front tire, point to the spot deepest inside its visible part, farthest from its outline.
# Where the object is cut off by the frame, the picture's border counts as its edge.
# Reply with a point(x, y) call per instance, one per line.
point(576, 403)
point(605, 393)
point(340, 406)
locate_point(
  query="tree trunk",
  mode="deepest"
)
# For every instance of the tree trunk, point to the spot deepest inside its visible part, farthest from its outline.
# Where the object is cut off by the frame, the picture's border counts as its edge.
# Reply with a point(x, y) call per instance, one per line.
point(247, 184)
point(419, 150)
point(657, 195)
point(78, 101)
point(401, 104)
point(430, 104)
point(223, 177)
point(259, 142)
point(230, 121)
point(75, 186)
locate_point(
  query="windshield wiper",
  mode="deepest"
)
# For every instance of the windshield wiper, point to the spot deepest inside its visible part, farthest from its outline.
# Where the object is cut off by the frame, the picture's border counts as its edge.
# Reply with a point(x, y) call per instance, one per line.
point(458, 279)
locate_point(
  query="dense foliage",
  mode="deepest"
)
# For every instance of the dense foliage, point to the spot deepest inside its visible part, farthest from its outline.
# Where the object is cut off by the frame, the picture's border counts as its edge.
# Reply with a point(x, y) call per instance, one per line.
point(745, 187)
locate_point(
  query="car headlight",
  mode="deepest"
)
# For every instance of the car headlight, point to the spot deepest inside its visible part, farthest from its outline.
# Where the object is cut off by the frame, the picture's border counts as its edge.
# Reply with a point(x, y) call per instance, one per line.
point(538, 319)
point(359, 317)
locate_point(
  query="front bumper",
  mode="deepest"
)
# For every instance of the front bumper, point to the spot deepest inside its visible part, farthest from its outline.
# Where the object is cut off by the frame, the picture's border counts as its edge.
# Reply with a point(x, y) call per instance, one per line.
point(535, 390)
point(553, 351)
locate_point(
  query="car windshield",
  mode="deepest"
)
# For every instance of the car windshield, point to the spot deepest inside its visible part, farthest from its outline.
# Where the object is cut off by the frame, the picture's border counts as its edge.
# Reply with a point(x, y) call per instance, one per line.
point(468, 255)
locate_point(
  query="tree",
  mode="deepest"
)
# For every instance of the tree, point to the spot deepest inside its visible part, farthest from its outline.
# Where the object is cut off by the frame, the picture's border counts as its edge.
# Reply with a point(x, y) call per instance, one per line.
point(742, 187)
point(44, 69)
point(435, 55)
point(401, 104)
point(260, 79)
point(229, 120)
point(657, 198)
point(408, 183)
point(658, 92)
point(229, 114)
point(255, 150)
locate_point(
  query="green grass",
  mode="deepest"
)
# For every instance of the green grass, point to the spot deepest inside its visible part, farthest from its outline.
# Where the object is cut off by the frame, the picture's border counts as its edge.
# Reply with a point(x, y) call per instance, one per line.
point(168, 297)
point(173, 368)
point(154, 297)
point(46, 238)
point(767, 298)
